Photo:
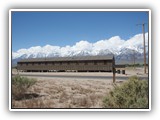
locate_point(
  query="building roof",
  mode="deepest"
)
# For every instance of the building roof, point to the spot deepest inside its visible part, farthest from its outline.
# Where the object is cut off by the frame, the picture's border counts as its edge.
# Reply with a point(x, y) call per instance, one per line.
point(80, 58)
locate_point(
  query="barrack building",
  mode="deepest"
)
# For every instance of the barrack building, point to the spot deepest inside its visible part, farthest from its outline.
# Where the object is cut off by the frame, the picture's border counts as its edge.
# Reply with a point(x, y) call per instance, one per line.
point(64, 64)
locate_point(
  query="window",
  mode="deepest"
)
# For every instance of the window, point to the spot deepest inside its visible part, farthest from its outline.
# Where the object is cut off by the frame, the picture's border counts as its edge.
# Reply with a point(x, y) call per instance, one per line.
point(53, 63)
point(86, 63)
point(68, 63)
point(60, 63)
point(77, 63)
point(95, 62)
point(105, 62)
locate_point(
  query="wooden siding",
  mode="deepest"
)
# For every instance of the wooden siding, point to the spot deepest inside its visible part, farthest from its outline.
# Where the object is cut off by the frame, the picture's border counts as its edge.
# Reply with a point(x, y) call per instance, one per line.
point(82, 65)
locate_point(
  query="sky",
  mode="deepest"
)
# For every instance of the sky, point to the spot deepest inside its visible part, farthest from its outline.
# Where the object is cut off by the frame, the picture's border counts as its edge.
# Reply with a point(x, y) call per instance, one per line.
point(67, 28)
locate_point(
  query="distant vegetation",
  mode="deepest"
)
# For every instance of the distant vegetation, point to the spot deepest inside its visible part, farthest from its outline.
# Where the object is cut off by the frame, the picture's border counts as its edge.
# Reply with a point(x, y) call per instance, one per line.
point(136, 65)
point(14, 67)
point(20, 85)
point(131, 94)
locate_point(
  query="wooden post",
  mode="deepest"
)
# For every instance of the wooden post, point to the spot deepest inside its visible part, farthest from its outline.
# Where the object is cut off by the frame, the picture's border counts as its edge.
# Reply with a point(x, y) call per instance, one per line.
point(114, 74)
point(114, 70)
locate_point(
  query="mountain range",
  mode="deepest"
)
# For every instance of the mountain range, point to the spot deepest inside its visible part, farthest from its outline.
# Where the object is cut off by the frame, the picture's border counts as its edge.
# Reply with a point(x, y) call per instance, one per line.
point(125, 51)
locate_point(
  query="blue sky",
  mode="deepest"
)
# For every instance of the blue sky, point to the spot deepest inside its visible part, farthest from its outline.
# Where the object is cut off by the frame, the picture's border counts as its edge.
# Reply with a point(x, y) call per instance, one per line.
point(66, 28)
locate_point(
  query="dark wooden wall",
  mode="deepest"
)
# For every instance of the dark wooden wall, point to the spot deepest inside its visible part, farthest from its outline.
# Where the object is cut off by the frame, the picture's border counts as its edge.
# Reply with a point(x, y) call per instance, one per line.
point(100, 65)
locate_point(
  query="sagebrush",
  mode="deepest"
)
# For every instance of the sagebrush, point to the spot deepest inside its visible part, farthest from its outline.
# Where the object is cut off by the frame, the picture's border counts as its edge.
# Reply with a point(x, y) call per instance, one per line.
point(131, 94)
point(20, 85)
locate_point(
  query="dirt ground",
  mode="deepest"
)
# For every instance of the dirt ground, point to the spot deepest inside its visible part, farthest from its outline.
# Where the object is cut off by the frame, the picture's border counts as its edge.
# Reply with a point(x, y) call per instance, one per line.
point(129, 71)
point(70, 92)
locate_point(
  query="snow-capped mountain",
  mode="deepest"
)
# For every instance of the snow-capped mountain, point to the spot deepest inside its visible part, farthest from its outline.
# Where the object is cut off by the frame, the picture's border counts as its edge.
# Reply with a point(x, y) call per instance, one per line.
point(124, 50)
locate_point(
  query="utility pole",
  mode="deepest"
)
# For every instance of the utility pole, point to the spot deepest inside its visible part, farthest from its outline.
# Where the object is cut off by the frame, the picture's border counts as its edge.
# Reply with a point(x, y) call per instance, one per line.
point(134, 59)
point(144, 48)
point(143, 31)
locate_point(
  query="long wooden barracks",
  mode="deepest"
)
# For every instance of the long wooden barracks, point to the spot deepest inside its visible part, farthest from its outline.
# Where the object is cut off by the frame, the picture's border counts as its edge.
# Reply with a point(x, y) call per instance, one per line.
point(64, 64)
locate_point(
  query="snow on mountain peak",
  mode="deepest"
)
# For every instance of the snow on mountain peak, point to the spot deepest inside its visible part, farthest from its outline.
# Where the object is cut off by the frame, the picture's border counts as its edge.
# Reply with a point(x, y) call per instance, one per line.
point(114, 45)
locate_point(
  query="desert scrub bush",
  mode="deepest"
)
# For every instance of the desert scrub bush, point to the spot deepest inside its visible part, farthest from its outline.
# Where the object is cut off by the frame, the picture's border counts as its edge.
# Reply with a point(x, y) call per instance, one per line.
point(20, 85)
point(131, 94)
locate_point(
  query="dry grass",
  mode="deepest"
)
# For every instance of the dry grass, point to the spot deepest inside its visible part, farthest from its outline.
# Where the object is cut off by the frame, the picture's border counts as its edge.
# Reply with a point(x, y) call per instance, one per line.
point(65, 93)
point(70, 93)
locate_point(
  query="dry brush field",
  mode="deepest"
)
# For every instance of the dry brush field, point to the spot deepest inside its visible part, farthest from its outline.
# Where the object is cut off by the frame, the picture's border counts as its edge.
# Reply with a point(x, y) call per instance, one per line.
point(60, 93)
point(70, 92)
